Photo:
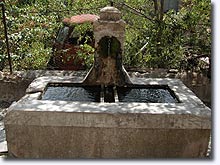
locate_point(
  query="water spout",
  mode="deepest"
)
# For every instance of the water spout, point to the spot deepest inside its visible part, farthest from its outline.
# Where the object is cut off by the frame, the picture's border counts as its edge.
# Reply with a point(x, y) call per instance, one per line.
point(109, 33)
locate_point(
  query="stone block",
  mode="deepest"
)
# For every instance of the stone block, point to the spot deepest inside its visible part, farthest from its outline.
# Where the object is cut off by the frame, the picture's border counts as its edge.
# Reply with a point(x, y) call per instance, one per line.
point(63, 129)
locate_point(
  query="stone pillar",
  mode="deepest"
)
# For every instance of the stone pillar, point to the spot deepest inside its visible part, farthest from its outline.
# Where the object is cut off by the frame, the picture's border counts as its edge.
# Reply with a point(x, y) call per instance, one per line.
point(109, 33)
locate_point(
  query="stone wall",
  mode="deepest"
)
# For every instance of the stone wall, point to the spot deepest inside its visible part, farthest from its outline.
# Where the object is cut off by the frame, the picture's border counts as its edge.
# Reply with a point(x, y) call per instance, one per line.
point(199, 84)
point(12, 88)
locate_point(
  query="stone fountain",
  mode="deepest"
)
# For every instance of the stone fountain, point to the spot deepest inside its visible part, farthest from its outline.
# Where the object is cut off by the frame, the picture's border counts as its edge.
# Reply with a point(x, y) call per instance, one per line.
point(109, 33)
point(107, 114)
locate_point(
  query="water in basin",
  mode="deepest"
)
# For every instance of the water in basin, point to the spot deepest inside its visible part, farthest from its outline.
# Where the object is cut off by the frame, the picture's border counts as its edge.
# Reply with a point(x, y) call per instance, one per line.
point(132, 93)
point(147, 94)
point(72, 93)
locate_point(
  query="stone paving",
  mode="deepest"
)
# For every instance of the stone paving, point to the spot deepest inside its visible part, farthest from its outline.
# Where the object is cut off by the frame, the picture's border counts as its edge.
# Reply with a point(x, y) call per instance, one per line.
point(2, 132)
point(3, 143)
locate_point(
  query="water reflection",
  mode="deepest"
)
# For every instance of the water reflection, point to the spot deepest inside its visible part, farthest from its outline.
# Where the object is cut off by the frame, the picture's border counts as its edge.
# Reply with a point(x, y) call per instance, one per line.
point(67, 93)
point(134, 93)
point(146, 95)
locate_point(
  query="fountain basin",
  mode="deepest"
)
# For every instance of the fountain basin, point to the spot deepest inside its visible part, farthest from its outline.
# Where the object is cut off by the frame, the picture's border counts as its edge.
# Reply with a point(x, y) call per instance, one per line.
point(37, 128)
point(98, 93)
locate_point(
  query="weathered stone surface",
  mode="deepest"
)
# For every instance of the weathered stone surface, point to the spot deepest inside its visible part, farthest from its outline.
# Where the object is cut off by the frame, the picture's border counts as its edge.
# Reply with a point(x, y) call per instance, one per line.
point(110, 13)
point(109, 34)
point(93, 142)
point(39, 84)
point(104, 28)
point(61, 129)
point(11, 91)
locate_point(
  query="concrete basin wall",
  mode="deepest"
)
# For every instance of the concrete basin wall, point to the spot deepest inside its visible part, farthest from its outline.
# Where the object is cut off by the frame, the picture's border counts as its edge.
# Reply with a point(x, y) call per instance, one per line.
point(198, 83)
point(61, 129)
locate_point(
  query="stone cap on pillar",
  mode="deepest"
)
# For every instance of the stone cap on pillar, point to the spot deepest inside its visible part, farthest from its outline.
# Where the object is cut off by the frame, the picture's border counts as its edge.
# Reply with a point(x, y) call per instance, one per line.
point(110, 13)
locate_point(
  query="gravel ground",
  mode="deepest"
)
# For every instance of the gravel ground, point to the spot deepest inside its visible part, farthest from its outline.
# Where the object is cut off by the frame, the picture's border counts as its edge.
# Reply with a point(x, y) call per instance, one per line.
point(3, 110)
point(3, 147)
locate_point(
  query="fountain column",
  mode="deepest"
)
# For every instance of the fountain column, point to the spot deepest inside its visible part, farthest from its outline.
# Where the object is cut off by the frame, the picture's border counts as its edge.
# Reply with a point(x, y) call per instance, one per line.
point(109, 33)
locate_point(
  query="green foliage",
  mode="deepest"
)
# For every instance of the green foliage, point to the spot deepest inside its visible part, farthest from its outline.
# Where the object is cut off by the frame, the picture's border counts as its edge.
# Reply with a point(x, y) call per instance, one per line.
point(153, 39)
point(30, 32)
point(81, 30)
point(86, 52)
point(2, 62)
point(36, 57)
point(170, 39)
point(196, 21)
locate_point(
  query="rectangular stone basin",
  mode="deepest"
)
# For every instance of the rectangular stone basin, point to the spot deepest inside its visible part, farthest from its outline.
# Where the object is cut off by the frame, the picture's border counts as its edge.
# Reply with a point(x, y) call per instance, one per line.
point(42, 128)
point(130, 93)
